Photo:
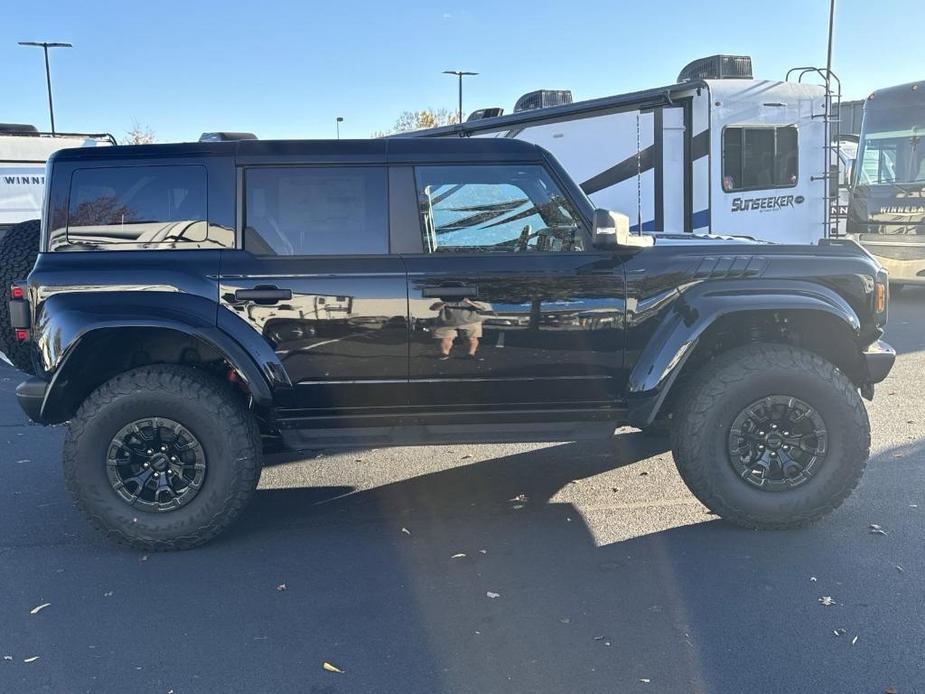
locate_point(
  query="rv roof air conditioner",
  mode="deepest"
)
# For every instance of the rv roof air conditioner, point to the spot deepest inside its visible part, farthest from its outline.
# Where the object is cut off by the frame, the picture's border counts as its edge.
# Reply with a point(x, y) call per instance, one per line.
point(226, 137)
point(492, 112)
point(543, 98)
point(718, 67)
point(18, 129)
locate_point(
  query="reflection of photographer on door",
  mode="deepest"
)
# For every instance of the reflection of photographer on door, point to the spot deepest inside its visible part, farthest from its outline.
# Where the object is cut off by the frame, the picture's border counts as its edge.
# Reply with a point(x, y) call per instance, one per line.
point(458, 318)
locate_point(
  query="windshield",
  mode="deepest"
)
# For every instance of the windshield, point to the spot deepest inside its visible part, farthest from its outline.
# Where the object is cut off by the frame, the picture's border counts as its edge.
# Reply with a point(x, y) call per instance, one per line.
point(891, 148)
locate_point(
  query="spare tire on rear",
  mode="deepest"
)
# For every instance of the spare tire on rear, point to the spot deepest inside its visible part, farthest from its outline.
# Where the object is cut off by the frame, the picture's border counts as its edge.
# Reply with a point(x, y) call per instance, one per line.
point(19, 247)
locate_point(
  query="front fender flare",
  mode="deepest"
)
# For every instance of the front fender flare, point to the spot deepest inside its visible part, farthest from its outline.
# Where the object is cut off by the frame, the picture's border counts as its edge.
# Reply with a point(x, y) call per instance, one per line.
point(699, 307)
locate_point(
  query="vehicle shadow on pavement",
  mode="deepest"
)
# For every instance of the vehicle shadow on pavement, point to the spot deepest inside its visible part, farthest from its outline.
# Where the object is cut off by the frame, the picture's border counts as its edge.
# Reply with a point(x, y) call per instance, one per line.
point(677, 607)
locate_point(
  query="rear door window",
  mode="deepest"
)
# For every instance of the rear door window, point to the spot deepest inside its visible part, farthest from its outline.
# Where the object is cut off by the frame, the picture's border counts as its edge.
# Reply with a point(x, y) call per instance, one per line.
point(141, 207)
point(316, 210)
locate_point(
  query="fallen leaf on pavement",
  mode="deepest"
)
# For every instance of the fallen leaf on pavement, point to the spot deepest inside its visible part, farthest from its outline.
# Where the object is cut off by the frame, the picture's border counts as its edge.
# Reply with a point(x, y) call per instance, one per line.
point(644, 680)
point(7, 657)
point(876, 529)
point(565, 620)
point(840, 632)
point(406, 531)
point(144, 558)
point(493, 595)
point(31, 659)
point(900, 569)
point(461, 555)
point(519, 497)
point(281, 587)
point(826, 600)
point(812, 578)
point(889, 690)
point(108, 594)
point(39, 608)
point(483, 551)
point(854, 640)
point(517, 507)
point(331, 668)
point(599, 638)
point(466, 457)
point(643, 473)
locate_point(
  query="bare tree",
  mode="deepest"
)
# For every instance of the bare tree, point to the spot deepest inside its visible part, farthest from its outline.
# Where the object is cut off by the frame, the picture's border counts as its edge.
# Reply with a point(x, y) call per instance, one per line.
point(139, 134)
point(419, 120)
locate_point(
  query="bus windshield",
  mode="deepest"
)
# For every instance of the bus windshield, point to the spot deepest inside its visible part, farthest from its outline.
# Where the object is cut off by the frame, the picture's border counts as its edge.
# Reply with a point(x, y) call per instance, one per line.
point(891, 149)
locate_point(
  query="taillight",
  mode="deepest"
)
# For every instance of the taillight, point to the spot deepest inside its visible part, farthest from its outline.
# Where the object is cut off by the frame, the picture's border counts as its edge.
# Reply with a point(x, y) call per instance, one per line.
point(21, 335)
point(17, 292)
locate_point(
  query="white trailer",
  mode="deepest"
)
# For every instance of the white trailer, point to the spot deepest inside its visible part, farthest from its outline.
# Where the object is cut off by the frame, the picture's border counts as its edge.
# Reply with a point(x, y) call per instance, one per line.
point(23, 153)
point(715, 153)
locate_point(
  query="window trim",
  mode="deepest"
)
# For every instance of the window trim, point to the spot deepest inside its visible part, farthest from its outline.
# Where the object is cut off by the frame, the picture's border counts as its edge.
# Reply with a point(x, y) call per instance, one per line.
point(743, 127)
point(241, 207)
point(580, 226)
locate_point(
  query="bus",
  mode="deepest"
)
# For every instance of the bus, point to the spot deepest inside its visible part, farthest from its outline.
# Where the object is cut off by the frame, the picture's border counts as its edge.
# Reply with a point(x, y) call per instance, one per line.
point(886, 207)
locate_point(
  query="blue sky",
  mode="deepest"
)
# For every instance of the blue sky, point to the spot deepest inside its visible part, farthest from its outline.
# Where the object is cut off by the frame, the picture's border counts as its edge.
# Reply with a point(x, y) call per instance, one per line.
point(288, 69)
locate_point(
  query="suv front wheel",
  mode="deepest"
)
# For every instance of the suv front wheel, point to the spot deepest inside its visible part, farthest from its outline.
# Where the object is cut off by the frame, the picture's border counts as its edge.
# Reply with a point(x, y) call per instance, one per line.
point(162, 457)
point(770, 436)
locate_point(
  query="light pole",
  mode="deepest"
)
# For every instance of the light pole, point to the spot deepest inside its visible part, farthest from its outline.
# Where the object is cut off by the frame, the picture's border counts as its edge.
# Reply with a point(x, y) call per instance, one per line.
point(45, 45)
point(460, 74)
point(340, 119)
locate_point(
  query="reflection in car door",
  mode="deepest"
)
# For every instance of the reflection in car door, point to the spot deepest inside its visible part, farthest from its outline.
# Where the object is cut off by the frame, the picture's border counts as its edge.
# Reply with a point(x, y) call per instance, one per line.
point(529, 322)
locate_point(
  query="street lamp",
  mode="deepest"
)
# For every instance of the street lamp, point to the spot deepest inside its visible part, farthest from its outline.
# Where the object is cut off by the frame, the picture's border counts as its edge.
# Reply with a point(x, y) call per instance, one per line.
point(340, 119)
point(45, 45)
point(460, 74)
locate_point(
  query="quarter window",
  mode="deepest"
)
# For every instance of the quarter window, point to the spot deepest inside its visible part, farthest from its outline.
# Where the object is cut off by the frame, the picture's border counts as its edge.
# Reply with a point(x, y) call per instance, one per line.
point(759, 158)
point(316, 211)
point(146, 206)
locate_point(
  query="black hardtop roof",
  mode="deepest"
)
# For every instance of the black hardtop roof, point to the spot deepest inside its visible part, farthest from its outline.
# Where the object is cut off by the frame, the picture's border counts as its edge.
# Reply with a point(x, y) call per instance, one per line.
point(411, 149)
point(909, 94)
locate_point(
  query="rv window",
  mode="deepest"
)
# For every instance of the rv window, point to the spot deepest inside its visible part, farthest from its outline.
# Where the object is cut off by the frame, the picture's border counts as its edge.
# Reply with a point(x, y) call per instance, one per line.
point(760, 157)
point(316, 211)
point(494, 208)
point(141, 207)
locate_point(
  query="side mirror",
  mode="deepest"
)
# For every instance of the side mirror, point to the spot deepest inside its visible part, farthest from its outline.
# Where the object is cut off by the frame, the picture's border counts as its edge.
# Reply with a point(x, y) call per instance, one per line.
point(612, 230)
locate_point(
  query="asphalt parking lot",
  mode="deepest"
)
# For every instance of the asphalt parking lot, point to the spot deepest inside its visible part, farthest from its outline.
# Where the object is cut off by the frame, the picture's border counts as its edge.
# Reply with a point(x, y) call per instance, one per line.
point(608, 575)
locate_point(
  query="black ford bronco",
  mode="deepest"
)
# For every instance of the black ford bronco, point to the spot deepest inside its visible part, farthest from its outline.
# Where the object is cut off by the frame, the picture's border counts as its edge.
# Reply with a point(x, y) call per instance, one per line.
point(195, 305)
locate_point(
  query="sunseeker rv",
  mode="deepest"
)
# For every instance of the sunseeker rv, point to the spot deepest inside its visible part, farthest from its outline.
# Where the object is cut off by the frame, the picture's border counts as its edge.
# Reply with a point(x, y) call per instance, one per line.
point(718, 152)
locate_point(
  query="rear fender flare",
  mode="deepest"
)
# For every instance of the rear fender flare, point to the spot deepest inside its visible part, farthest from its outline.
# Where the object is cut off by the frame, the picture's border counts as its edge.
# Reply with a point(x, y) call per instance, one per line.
point(68, 321)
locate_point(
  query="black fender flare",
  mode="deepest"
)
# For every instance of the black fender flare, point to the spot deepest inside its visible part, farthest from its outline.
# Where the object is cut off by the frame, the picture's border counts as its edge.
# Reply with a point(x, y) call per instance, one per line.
point(66, 321)
point(700, 306)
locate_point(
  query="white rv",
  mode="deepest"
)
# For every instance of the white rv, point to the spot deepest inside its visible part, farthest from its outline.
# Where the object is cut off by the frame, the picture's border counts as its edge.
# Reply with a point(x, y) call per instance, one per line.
point(23, 153)
point(718, 152)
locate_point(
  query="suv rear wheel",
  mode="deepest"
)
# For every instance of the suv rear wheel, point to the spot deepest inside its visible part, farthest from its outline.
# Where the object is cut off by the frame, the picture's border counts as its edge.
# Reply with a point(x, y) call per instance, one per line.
point(770, 436)
point(162, 457)
point(19, 247)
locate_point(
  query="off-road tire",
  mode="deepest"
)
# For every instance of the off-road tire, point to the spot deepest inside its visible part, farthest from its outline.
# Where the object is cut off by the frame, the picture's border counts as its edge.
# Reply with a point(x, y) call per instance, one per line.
point(19, 247)
point(215, 413)
point(728, 384)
